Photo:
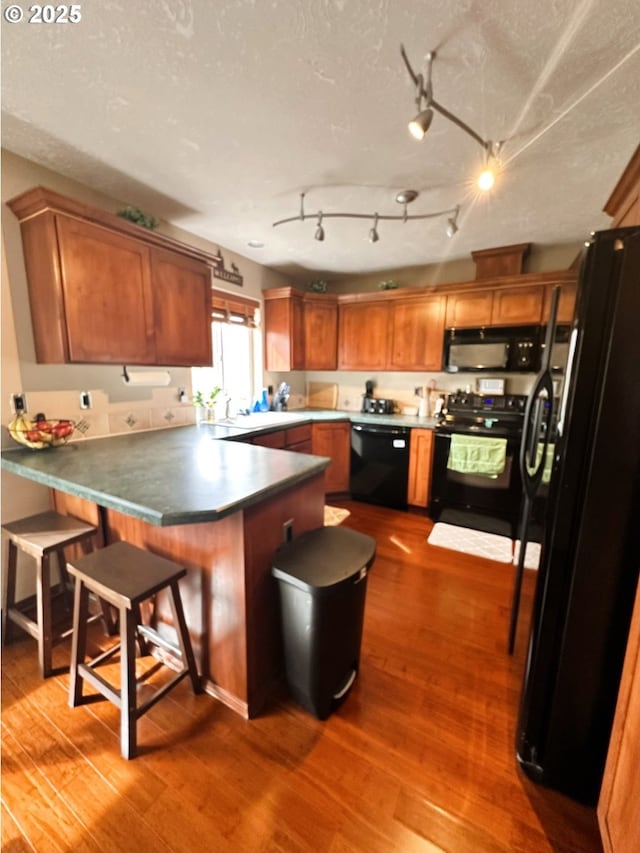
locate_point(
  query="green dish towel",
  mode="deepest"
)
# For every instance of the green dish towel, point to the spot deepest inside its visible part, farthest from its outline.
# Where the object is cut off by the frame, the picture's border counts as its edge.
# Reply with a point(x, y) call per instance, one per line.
point(472, 454)
point(548, 462)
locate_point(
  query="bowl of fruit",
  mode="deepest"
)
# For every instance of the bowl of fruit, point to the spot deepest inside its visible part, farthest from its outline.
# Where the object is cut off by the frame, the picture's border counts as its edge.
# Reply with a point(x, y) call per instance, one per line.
point(41, 432)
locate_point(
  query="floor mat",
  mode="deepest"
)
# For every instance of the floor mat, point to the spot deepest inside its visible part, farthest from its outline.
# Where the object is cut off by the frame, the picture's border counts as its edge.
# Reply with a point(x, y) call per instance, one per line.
point(531, 555)
point(334, 515)
point(468, 541)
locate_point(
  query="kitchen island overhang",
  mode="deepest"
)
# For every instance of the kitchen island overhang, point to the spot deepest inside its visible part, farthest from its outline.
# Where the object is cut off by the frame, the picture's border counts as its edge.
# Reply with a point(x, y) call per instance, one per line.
point(220, 509)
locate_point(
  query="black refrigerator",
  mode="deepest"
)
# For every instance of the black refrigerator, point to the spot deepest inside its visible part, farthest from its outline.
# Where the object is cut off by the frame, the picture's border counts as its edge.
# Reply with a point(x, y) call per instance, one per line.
point(590, 551)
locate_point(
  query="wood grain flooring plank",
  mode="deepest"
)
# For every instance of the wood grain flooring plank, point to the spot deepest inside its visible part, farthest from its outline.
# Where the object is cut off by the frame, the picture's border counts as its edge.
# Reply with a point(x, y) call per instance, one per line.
point(420, 756)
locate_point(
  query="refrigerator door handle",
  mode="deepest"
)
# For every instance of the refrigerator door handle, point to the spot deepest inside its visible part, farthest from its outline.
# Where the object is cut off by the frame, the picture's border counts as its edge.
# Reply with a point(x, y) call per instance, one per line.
point(564, 399)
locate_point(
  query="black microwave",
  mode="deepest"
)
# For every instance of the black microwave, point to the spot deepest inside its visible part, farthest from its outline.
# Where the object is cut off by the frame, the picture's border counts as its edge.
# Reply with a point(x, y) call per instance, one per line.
point(509, 349)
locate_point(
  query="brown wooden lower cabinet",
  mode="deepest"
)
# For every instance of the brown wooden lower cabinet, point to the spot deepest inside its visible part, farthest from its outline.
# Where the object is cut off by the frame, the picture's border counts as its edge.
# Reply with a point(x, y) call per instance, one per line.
point(619, 804)
point(420, 460)
point(333, 439)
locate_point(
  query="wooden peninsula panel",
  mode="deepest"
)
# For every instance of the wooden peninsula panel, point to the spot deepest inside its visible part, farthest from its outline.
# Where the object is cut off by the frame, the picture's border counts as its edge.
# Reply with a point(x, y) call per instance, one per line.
point(229, 595)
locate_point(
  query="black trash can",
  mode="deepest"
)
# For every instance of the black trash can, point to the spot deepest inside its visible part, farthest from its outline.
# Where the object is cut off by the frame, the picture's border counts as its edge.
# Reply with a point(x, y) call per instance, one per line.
point(322, 579)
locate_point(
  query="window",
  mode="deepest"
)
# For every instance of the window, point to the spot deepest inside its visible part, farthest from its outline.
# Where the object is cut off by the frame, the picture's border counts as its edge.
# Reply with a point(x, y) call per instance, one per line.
point(237, 352)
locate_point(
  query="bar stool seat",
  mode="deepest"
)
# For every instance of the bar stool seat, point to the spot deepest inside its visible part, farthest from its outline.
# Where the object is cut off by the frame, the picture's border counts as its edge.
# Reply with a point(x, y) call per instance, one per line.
point(39, 536)
point(126, 576)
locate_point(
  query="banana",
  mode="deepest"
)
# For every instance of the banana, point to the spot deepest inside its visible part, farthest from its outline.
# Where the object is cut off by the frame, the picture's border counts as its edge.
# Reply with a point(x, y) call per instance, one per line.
point(18, 429)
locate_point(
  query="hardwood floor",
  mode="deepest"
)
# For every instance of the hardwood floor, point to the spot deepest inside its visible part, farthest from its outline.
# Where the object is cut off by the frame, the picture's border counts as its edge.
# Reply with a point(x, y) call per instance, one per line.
point(420, 756)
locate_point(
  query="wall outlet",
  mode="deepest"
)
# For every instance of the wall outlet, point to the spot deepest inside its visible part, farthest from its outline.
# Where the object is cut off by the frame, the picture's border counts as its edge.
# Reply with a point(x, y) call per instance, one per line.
point(18, 403)
point(85, 400)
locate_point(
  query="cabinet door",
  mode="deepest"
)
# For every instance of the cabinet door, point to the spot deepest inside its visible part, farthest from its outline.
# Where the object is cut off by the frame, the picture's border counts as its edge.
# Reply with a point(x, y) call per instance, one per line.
point(284, 334)
point(182, 309)
point(417, 331)
point(106, 283)
point(320, 335)
point(420, 459)
point(517, 305)
point(469, 309)
point(619, 803)
point(566, 305)
point(363, 335)
point(333, 440)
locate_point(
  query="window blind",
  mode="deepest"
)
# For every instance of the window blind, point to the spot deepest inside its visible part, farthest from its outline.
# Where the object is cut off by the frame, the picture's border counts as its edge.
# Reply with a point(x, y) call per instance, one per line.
point(238, 310)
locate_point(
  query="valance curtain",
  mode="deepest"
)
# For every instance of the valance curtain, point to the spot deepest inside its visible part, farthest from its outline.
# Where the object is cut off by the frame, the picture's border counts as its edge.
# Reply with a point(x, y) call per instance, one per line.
point(238, 310)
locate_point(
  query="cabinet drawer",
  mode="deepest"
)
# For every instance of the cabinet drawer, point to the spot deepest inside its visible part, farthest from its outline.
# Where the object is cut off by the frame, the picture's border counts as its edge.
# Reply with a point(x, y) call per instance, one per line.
point(295, 435)
point(300, 447)
point(271, 439)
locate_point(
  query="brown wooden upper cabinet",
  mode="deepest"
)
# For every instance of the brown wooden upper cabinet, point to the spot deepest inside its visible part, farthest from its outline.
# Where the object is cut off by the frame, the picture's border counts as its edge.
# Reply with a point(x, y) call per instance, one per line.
point(522, 304)
point(513, 306)
point(300, 330)
point(102, 290)
point(283, 329)
point(320, 313)
point(499, 307)
point(417, 327)
point(566, 304)
point(469, 309)
point(363, 335)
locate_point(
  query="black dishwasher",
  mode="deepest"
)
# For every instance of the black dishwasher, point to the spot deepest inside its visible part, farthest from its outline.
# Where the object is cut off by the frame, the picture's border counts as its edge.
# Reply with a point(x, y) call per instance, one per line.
point(380, 464)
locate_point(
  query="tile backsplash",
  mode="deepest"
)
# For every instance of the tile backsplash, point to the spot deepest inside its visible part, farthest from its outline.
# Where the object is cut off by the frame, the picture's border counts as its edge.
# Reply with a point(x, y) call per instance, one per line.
point(109, 418)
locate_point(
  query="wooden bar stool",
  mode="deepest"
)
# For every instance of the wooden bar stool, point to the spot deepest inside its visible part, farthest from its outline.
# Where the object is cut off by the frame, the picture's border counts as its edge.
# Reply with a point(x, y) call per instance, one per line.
point(125, 576)
point(39, 536)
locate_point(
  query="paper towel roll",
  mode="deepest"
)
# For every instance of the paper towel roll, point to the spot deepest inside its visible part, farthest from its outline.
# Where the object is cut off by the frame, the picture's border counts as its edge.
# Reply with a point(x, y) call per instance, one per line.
point(146, 377)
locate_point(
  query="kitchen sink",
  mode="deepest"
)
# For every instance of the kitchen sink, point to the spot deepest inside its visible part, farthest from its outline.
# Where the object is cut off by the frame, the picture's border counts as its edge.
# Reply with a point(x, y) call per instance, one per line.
point(261, 419)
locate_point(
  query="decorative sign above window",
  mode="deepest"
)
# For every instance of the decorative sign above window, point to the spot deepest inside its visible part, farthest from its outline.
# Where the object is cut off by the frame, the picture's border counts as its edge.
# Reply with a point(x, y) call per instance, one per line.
point(232, 276)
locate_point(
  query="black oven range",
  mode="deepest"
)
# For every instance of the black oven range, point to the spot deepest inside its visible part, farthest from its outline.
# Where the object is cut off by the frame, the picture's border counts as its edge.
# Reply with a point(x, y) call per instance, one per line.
point(476, 477)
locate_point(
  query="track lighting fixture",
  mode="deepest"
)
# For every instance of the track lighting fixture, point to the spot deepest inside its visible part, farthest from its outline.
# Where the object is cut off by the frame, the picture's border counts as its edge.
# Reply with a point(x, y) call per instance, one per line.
point(404, 197)
point(426, 104)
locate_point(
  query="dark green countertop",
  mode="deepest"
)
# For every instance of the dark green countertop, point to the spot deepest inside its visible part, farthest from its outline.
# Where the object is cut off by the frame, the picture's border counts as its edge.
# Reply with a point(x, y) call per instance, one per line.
point(180, 475)
point(186, 474)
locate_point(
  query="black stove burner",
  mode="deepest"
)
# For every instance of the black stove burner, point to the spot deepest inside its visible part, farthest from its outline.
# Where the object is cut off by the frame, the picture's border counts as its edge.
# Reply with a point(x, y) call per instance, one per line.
point(475, 414)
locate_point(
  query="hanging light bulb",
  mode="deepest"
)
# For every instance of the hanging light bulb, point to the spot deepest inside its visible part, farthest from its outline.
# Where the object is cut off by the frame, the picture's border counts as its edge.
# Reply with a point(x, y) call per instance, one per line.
point(319, 235)
point(373, 234)
point(486, 179)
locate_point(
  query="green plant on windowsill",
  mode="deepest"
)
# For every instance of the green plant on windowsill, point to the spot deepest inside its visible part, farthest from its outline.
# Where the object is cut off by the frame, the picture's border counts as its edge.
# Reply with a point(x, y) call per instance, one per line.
point(138, 217)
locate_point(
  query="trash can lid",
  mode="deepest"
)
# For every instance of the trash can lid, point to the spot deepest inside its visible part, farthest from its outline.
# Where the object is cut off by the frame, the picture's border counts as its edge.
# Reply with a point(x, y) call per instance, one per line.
point(324, 557)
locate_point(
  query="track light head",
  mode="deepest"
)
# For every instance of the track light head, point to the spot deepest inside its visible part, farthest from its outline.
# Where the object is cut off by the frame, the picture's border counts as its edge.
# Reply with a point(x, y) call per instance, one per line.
point(452, 223)
point(419, 125)
point(373, 234)
point(319, 235)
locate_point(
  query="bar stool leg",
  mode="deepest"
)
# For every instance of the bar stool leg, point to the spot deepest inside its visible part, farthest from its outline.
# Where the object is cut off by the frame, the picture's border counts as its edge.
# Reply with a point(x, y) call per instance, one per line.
point(128, 741)
point(43, 609)
point(9, 590)
point(78, 642)
point(188, 658)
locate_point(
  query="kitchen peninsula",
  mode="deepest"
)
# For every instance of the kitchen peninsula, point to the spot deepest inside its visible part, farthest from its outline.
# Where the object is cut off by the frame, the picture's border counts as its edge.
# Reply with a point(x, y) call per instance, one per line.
point(217, 507)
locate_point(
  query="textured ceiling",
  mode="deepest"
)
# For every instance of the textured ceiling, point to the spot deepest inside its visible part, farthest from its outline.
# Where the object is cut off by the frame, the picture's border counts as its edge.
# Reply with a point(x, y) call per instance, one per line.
point(216, 115)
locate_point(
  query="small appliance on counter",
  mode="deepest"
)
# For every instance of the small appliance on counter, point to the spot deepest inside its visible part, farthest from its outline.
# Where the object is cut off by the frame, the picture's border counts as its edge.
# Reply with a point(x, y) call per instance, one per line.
point(375, 405)
point(281, 397)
